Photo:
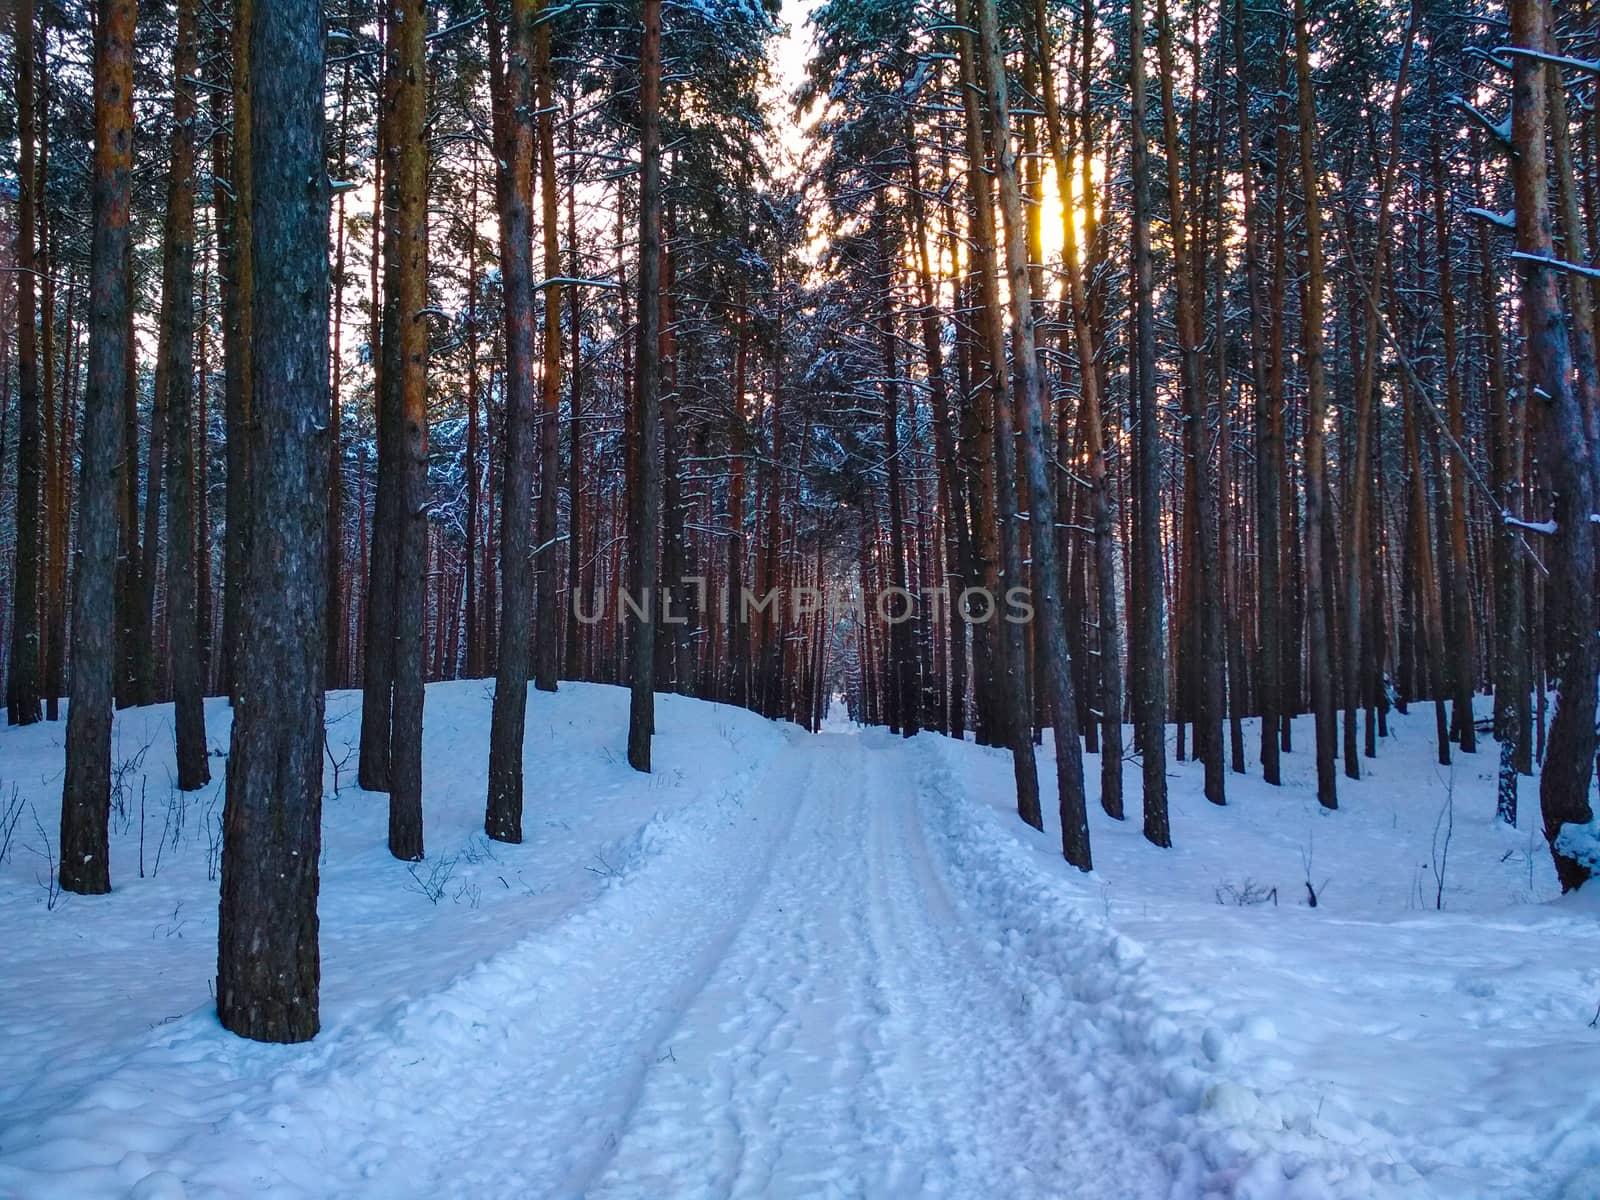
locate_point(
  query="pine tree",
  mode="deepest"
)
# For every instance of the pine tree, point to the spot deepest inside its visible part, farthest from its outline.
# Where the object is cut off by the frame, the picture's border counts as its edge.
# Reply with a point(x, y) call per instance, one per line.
point(503, 819)
point(86, 788)
point(268, 967)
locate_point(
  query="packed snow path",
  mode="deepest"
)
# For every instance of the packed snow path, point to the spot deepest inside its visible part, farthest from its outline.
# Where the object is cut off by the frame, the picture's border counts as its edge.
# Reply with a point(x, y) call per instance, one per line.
point(854, 1036)
point(770, 987)
point(786, 1002)
point(802, 966)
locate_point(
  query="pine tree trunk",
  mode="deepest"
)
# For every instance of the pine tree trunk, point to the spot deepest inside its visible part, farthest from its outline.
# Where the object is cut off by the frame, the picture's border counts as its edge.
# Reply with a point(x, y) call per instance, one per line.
point(1268, 448)
point(952, 499)
point(1317, 632)
point(334, 651)
point(86, 789)
point(408, 26)
point(58, 422)
point(238, 347)
point(1051, 627)
point(547, 620)
point(373, 765)
point(645, 495)
point(503, 819)
point(22, 675)
point(1565, 453)
point(1463, 639)
point(577, 633)
point(267, 956)
point(903, 666)
point(1203, 611)
point(1511, 707)
point(1110, 628)
point(1147, 648)
point(1002, 549)
point(188, 674)
point(1358, 574)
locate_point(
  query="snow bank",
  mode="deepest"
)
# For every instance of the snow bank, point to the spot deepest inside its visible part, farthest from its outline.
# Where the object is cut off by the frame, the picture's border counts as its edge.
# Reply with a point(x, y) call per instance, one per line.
point(1375, 1045)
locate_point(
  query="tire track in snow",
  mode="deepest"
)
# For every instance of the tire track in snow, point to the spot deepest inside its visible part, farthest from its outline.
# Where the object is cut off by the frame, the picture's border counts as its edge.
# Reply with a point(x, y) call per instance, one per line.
point(867, 1035)
point(604, 998)
point(770, 1086)
point(1021, 1089)
point(453, 1093)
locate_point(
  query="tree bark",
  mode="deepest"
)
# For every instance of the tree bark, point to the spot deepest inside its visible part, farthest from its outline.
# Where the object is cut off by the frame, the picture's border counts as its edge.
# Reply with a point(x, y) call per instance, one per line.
point(408, 31)
point(382, 602)
point(235, 215)
point(1358, 573)
point(1565, 453)
point(547, 621)
point(22, 676)
point(645, 495)
point(1316, 416)
point(86, 788)
point(1048, 606)
point(1204, 609)
point(503, 818)
point(1147, 650)
point(188, 672)
point(1268, 447)
point(267, 952)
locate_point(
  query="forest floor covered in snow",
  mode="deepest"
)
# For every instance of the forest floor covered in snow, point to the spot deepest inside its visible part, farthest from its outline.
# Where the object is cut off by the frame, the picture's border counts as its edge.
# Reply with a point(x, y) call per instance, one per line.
point(790, 965)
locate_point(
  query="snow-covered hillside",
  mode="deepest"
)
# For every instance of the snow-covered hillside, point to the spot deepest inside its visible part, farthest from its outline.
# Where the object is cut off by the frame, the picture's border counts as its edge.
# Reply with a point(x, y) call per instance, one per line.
point(798, 966)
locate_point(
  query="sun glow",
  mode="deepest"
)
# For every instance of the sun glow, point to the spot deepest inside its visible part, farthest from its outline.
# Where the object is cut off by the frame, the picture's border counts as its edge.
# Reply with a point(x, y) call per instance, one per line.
point(1053, 209)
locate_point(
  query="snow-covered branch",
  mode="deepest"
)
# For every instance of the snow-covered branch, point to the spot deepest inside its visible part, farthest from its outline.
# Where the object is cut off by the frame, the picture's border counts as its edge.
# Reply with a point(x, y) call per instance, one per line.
point(1557, 264)
point(1545, 527)
point(1588, 66)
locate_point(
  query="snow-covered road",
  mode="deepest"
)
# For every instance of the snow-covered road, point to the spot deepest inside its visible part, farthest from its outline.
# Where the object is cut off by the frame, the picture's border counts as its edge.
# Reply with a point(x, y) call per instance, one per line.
point(855, 1037)
point(799, 966)
point(783, 997)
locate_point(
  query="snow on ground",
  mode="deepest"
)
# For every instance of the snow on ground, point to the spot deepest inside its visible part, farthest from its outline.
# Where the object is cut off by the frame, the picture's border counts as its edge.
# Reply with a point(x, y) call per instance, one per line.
point(810, 966)
point(1377, 1044)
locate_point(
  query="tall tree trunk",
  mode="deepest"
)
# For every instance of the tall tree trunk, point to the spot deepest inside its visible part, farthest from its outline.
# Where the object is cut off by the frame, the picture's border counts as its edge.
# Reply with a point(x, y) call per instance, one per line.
point(1463, 639)
point(503, 819)
point(58, 421)
point(1048, 604)
point(952, 491)
point(373, 764)
point(738, 664)
point(267, 952)
point(133, 646)
point(1002, 549)
point(645, 495)
point(473, 451)
point(672, 663)
point(408, 31)
point(1094, 436)
point(1425, 580)
point(1565, 453)
point(22, 675)
point(1269, 464)
point(903, 665)
point(1204, 609)
point(772, 577)
point(188, 672)
point(1506, 422)
point(1316, 416)
point(86, 788)
point(1359, 569)
point(547, 621)
point(577, 632)
point(235, 218)
point(1147, 649)
point(334, 651)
